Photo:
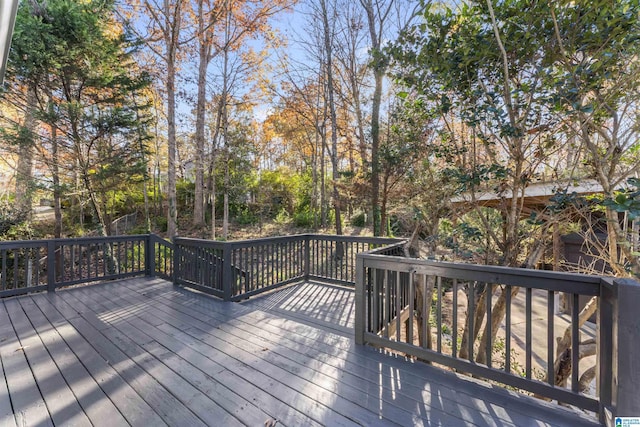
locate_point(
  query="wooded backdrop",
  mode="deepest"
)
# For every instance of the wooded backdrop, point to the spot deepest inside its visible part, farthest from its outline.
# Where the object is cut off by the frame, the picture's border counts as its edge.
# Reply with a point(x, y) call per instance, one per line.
point(324, 113)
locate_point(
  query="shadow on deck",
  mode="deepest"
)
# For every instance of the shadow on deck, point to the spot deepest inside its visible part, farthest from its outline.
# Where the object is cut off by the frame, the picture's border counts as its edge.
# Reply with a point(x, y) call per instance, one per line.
point(144, 352)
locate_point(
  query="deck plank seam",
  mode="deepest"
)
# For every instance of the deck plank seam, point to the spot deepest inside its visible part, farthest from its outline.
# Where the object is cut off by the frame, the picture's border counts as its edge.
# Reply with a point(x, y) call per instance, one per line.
point(5, 386)
point(51, 359)
point(280, 381)
point(133, 325)
point(510, 394)
point(20, 349)
point(136, 360)
point(364, 378)
point(85, 342)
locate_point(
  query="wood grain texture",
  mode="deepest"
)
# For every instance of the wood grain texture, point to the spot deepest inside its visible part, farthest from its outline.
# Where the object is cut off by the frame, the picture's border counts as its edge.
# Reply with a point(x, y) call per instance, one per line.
point(145, 352)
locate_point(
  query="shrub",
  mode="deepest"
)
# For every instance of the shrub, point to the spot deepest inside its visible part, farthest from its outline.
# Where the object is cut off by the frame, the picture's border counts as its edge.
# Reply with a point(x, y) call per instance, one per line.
point(359, 219)
point(246, 217)
point(161, 223)
point(303, 219)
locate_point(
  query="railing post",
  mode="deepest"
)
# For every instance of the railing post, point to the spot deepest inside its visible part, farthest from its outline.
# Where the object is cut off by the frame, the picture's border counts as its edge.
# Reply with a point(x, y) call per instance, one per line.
point(604, 355)
point(51, 265)
point(360, 300)
point(150, 255)
point(227, 279)
point(626, 346)
point(307, 257)
point(176, 261)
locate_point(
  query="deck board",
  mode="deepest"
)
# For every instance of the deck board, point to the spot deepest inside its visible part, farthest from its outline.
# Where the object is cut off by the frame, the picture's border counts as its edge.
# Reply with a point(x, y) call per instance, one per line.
point(350, 359)
point(144, 352)
point(265, 375)
point(293, 363)
point(141, 344)
point(142, 389)
point(28, 405)
point(108, 399)
point(60, 400)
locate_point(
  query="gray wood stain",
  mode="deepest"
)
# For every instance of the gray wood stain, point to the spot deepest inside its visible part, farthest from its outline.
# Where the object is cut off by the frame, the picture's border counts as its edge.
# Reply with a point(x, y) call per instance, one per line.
point(144, 352)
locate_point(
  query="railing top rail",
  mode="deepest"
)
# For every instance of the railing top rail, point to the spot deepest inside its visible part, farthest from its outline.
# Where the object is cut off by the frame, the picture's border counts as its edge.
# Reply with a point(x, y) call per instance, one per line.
point(294, 237)
point(19, 244)
point(360, 239)
point(156, 238)
point(239, 243)
point(389, 246)
point(583, 284)
point(72, 240)
point(189, 241)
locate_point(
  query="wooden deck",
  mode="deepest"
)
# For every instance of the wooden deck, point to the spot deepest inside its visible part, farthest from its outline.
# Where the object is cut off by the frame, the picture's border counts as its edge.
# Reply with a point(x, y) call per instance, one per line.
point(143, 352)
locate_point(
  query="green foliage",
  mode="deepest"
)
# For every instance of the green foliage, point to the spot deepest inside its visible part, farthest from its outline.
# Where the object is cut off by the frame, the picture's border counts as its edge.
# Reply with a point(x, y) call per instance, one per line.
point(475, 177)
point(14, 223)
point(184, 195)
point(78, 61)
point(20, 231)
point(601, 38)
point(275, 191)
point(247, 216)
point(627, 200)
point(303, 218)
point(282, 217)
point(161, 223)
point(452, 58)
point(359, 219)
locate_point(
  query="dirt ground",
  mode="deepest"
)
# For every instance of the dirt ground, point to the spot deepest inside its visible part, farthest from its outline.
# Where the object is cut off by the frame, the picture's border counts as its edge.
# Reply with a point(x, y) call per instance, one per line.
point(518, 333)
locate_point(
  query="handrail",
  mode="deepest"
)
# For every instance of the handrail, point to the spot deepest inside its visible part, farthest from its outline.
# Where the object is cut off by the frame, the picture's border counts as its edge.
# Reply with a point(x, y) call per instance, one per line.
point(255, 266)
point(400, 304)
point(37, 265)
point(239, 269)
point(389, 311)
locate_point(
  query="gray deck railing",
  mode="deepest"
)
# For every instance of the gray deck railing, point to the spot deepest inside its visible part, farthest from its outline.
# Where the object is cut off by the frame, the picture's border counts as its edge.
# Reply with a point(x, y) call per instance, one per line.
point(260, 265)
point(38, 265)
point(523, 346)
point(254, 266)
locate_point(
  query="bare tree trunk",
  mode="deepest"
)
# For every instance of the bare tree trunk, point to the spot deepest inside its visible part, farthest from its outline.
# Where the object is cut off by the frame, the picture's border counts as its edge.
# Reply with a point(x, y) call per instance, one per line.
point(375, 156)
point(378, 69)
point(328, 47)
point(562, 364)
point(225, 125)
point(314, 181)
point(477, 305)
point(225, 203)
point(171, 32)
point(384, 229)
point(499, 309)
point(172, 213)
point(57, 191)
point(323, 189)
point(212, 188)
point(24, 171)
point(205, 23)
point(424, 292)
point(198, 202)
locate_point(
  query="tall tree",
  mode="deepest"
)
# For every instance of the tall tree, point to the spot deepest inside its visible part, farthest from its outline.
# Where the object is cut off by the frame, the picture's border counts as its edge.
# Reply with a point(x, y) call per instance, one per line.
point(208, 13)
point(596, 89)
point(166, 24)
point(78, 60)
point(223, 26)
point(482, 66)
point(328, 36)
